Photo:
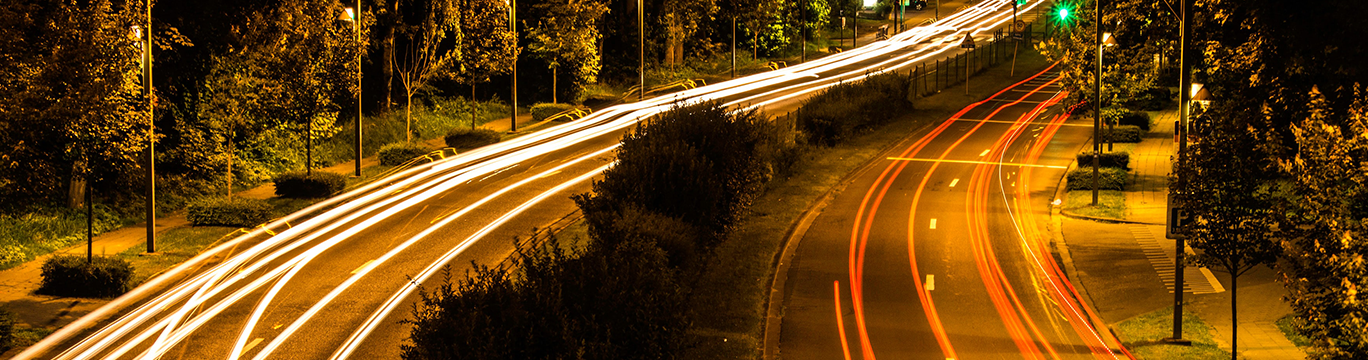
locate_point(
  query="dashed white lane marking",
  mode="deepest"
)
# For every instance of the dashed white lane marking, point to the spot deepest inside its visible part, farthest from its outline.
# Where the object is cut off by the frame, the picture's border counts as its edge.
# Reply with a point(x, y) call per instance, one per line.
point(930, 282)
point(252, 344)
point(933, 223)
point(363, 267)
point(953, 182)
point(985, 152)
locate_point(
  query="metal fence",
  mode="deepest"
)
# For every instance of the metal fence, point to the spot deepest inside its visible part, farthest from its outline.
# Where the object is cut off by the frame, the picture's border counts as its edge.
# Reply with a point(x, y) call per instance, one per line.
point(929, 78)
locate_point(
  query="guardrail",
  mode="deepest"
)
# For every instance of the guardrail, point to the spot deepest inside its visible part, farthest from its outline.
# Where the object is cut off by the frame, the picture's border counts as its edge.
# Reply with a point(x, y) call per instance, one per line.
point(682, 83)
point(569, 115)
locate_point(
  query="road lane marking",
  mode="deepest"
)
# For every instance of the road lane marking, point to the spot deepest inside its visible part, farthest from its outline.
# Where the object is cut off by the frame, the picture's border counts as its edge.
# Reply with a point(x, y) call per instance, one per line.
point(984, 153)
point(277, 326)
point(549, 174)
point(930, 282)
point(979, 162)
point(363, 266)
point(933, 223)
point(252, 344)
point(953, 182)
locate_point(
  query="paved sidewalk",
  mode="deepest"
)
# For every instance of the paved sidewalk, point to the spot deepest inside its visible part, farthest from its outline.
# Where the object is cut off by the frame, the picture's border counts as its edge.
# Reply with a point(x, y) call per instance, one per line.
point(1128, 268)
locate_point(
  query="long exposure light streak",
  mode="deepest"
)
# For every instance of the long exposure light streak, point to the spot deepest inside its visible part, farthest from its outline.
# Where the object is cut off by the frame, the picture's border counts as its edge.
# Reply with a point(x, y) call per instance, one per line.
point(182, 300)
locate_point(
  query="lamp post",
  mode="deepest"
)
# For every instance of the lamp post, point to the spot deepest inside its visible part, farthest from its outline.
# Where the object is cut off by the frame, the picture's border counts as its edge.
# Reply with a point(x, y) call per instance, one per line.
point(1103, 40)
point(145, 42)
point(641, 47)
point(513, 27)
point(352, 16)
point(1185, 96)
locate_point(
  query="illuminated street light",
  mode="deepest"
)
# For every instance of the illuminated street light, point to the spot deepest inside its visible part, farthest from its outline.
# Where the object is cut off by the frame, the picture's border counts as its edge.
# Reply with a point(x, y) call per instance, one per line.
point(145, 43)
point(350, 15)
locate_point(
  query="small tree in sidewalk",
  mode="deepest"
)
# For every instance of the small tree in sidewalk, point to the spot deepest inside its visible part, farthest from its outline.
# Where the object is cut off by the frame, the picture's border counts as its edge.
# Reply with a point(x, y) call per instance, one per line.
point(1228, 185)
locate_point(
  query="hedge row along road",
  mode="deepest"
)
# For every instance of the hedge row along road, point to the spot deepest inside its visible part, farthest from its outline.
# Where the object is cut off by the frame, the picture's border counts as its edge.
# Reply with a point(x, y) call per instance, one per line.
point(336, 285)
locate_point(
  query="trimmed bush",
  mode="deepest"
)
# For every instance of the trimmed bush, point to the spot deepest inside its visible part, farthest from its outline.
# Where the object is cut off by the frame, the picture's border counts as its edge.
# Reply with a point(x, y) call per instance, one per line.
point(400, 152)
point(1119, 159)
point(1138, 119)
point(299, 185)
point(70, 275)
point(1123, 134)
point(541, 111)
point(465, 138)
point(1107, 178)
point(598, 100)
point(240, 212)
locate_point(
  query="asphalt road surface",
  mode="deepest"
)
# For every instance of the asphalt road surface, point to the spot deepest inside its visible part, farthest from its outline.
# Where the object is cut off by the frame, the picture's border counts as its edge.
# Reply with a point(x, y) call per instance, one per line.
point(942, 250)
point(335, 286)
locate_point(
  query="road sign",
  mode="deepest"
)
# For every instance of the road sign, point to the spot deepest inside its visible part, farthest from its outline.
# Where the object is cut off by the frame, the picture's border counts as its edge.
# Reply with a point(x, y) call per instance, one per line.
point(1019, 26)
point(1017, 35)
point(1178, 220)
point(968, 42)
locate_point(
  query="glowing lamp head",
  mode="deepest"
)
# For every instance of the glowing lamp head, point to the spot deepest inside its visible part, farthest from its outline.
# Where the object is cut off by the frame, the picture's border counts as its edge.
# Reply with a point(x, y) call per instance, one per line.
point(1063, 13)
point(348, 14)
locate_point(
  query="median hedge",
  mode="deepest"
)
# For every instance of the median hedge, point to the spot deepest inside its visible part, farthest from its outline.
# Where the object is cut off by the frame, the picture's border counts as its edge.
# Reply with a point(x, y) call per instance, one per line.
point(1123, 134)
point(240, 212)
point(400, 152)
point(465, 138)
point(541, 111)
point(70, 275)
point(1119, 159)
point(300, 185)
point(1107, 178)
point(844, 110)
point(1138, 119)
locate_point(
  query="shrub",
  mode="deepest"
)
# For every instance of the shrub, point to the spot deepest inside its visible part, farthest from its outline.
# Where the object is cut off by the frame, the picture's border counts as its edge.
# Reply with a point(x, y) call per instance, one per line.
point(298, 184)
point(1156, 98)
point(465, 138)
point(839, 112)
point(542, 111)
point(1107, 179)
point(400, 152)
point(1123, 134)
point(6, 330)
point(241, 212)
point(1119, 159)
point(722, 152)
point(1138, 119)
point(69, 275)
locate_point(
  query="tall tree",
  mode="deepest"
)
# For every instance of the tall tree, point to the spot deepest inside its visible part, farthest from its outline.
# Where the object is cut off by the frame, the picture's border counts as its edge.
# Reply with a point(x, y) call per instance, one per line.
point(567, 35)
point(489, 54)
point(1230, 187)
point(429, 35)
point(1325, 240)
point(69, 93)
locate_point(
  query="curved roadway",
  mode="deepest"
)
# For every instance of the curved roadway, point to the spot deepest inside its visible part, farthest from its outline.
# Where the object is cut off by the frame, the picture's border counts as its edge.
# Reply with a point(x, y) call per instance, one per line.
point(334, 286)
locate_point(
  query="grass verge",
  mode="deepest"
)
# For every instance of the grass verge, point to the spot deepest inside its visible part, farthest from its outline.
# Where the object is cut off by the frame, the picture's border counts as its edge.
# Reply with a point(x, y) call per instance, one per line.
point(174, 246)
point(729, 300)
point(1143, 335)
point(1110, 203)
point(1289, 329)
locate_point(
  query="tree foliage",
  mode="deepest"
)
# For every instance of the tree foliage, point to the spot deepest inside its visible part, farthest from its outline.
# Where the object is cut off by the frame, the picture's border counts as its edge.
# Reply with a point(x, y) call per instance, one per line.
point(69, 95)
point(567, 36)
point(1325, 237)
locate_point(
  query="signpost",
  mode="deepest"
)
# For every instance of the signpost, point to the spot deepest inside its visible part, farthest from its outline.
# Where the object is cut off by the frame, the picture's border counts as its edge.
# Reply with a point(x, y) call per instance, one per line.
point(968, 43)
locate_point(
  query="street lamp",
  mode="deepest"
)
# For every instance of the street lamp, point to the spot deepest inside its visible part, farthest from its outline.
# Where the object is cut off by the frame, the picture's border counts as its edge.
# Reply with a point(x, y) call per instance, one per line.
point(512, 27)
point(145, 42)
point(350, 15)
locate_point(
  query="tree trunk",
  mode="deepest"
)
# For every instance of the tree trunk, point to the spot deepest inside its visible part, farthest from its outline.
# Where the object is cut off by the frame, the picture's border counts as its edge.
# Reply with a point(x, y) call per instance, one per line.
point(553, 85)
point(387, 66)
point(308, 148)
point(1234, 319)
point(472, 105)
point(408, 116)
point(230, 167)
